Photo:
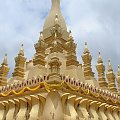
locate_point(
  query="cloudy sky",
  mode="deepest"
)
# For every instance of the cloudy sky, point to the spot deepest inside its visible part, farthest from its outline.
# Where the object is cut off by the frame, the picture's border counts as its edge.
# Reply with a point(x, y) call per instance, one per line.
point(94, 21)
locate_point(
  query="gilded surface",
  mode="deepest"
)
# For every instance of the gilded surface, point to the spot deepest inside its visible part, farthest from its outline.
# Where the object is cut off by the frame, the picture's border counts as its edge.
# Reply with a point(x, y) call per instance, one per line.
point(54, 85)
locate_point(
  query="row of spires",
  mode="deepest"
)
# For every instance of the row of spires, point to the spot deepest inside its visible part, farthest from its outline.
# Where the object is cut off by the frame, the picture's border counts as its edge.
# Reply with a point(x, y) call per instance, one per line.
point(19, 70)
point(111, 85)
point(20, 61)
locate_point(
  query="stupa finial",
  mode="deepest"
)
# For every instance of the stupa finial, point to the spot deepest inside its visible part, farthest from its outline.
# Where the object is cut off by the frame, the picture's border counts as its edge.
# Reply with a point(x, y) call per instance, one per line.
point(109, 65)
point(87, 58)
point(4, 70)
point(99, 57)
point(54, 17)
point(55, 3)
point(20, 64)
point(21, 50)
point(86, 48)
point(5, 59)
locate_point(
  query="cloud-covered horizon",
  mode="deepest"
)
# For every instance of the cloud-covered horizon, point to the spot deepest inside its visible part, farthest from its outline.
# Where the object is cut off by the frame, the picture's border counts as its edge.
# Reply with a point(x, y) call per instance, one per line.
point(96, 22)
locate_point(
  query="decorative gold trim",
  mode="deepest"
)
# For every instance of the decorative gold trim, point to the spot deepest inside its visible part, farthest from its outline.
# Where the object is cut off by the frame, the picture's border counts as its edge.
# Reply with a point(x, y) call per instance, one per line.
point(49, 87)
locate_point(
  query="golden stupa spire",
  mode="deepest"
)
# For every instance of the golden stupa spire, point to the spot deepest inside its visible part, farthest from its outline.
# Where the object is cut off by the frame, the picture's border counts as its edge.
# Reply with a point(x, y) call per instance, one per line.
point(41, 38)
point(71, 52)
point(5, 60)
point(20, 60)
point(86, 48)
point(4, 70)
point(111, 78)
point(99, 57)
point(87, 58)
point(21, 52)
point(70, 36)
point(40, 48)
point(101, 72)
point(53, 16)
point(109, 66)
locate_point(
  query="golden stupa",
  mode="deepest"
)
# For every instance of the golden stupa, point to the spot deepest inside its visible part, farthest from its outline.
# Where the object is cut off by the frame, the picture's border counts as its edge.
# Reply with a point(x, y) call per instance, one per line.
point(54, 85)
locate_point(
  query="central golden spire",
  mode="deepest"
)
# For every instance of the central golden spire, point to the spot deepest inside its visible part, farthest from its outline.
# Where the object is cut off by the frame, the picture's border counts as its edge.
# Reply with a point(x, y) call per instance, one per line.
point(50, 20)
point(55, 4)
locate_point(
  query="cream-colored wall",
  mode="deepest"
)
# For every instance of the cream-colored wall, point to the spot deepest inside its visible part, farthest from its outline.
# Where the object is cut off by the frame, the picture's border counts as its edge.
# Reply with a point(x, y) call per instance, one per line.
point(37, 71)
point(75, 73)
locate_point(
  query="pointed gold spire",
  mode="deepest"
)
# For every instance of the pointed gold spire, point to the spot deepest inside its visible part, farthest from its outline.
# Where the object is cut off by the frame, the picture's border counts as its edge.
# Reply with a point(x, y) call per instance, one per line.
point(70, 36)
point(20, 60)
point(109, 66)
point(41, 35)
point(53, 16)
point(4, 70)
point(86, 48)
point(41, 38)
point(111, 78)
point(71, 52)
point(99, 57)
point(40, 48)
point(5, 60)
point(21, 52)
point(101, 72)
point(87, 58)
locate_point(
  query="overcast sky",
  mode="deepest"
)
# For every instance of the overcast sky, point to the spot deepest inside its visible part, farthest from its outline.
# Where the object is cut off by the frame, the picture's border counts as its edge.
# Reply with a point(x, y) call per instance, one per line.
point(94, 21)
